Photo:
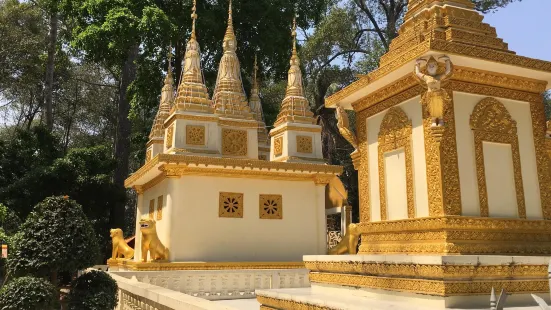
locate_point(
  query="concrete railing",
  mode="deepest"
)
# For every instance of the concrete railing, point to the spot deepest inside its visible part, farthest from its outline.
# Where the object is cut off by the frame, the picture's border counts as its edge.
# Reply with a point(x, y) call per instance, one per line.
point(135, 295)
point(221, 284)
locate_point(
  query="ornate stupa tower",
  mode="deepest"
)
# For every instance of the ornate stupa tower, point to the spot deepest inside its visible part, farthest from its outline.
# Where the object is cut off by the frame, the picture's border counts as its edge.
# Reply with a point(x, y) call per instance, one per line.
point(454, 179)
point(256, 108)
point(156, 143)
point(295, 137)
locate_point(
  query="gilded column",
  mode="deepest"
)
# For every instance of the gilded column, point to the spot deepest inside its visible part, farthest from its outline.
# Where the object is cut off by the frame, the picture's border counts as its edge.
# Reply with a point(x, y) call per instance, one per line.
point(542, 145)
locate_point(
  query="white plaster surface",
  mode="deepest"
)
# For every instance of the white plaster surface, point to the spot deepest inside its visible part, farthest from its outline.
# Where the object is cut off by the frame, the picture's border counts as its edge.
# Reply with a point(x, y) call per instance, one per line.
point(520, 112)
point(500, 180)
point(412, 108)
point(242, 304)
point(396, 193)
point(290, 142)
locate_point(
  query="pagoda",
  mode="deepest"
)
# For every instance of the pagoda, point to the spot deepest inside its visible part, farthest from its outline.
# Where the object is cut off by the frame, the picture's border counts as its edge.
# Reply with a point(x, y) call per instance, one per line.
point(256, 108)
point(454, 173)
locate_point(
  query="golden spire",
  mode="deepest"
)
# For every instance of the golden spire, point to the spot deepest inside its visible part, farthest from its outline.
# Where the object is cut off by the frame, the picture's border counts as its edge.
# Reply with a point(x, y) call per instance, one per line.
point(295, 107)
point(256, 107)
point(416, 6)
point(229, 97)
point(192, 92)
point(167, 98)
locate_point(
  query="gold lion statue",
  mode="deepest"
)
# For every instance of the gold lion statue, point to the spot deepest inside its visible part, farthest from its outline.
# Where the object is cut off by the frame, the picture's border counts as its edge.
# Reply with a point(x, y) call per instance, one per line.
point(151, 243)
point(349, 243)
point(120, 247)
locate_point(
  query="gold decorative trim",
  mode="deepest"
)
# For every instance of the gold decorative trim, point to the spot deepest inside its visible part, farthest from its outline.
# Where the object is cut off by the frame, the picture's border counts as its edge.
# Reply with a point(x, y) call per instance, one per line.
point(148, 154)
point(246, 166)
point(193, 151)
point(304, 144)
point(363, 171)
point(457, 235)
point(542, 159)
point(395, 133)
point(162, 266)
point(491, 122)
point(269, 303)
point(234, 142)
point(190, 117)
point(151, 209)
point(270, 207)
point(386, 92)
point(240, 124)
point(433, 287)
point(444, 190)
point(159, 208)
point(169, 136)
point(154, 141)
point(158, 179)
point(275, 132)
point(278, 146)
point(428, 271)
point(230, 205)
point(299, 158)
point(465, 74)
point(195, 135)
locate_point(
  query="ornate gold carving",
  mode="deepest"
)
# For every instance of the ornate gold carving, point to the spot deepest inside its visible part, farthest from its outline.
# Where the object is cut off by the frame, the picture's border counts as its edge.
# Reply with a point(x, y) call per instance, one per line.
point(195, 135)
point(148, 154)
point(343, 124)
point(444, 191)
point(349, 243)
point(234, 142)
point(363, 171)
point(271, 207)
point(432, 287)
point(139, 189)
point(169, 136)
point(270, 303)
point(299, 159)
point(192, 151)
point(395, 133)
point(230, 205)
point(191, 117)
point(158, 266)
point(457, 235)
point(283, 129)
point(120, 247)
point(238, 123)
point(427, 271)
point(151, 243)
point(492, 122)
point(151, 209)
point(435, 98)
point(386, 92)
point(278, 146)
point(304, 144)
point(239, 166)
point(471, 75)
point(543, 162)
point(159, 208)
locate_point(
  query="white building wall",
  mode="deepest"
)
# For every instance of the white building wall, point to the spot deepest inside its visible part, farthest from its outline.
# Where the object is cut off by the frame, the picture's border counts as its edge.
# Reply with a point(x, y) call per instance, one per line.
point(520, 112)
point(199, 234)
point(413, 110)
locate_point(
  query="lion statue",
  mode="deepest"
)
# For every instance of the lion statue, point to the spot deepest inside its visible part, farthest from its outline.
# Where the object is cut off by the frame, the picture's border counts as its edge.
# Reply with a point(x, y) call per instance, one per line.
point(349, 243)
point(120, 247)
point(151, 243)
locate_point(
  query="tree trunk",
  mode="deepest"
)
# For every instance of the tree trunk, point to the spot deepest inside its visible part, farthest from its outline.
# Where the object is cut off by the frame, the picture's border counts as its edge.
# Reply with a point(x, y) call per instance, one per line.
point(122, 140)
point(50, 67)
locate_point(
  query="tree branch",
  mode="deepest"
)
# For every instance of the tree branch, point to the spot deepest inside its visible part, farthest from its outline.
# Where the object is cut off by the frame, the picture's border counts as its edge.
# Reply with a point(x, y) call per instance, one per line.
point(328, 62)
point(362, 5)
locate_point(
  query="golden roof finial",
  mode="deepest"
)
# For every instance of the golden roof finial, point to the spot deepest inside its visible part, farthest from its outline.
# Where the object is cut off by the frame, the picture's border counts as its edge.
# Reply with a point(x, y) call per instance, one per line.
point(194, 18)
point(167, 98)
point(255, 72)
point(294, 35)
point(230, 42)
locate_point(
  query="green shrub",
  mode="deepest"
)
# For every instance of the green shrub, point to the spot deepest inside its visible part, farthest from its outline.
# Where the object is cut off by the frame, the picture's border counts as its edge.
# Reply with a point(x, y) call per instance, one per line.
point(56, 237)
point(28, 293)
point(94, 290)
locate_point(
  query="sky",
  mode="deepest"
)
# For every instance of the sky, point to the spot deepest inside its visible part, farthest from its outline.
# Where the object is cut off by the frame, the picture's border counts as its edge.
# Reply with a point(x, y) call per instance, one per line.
point(526, 26)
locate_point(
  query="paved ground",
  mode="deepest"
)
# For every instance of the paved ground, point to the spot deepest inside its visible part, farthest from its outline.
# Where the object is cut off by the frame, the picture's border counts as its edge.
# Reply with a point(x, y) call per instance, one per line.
point(241, 304)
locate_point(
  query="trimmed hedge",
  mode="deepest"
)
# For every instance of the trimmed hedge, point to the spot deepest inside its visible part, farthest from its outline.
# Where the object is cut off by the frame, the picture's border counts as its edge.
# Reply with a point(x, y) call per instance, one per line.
point(28, 293)
point(94, 290)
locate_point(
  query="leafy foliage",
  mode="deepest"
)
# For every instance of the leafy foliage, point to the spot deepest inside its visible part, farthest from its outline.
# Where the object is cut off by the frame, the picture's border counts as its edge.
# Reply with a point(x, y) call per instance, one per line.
point(94, 290)
point(56, 237)
point(28, 293)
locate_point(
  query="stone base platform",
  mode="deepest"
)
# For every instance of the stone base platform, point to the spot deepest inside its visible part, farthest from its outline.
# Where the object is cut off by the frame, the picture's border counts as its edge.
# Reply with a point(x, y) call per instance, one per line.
point(435, 281)
point(217, 281)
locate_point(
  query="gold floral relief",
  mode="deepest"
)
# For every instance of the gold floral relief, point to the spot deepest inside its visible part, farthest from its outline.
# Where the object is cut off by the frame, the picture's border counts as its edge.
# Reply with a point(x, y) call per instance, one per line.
point(444, 191)
point(169, 136)
point(195, 135)
point(491, 122)
point(230, 205)
point(543, 161)
point(159, 208)
point(148, 155)
point(152, 209)
point(394, 134)
point(234, 142)
point(271, 207)
point(304, 144)
point(363, 172)
point(278, 146)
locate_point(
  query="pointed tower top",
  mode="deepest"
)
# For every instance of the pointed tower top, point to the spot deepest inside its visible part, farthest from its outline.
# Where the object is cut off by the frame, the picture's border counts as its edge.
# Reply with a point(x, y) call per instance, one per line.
point(295, 107)
point(229, 97)
point(192, 92)
point(230, 41)
point(416, 6)
point(256, 107)
point(167, 98)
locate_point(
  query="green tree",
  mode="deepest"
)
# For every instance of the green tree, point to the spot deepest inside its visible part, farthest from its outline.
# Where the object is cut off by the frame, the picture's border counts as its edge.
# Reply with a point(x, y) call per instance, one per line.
point(56, 237)
point(94, 290)
point(28, 293)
